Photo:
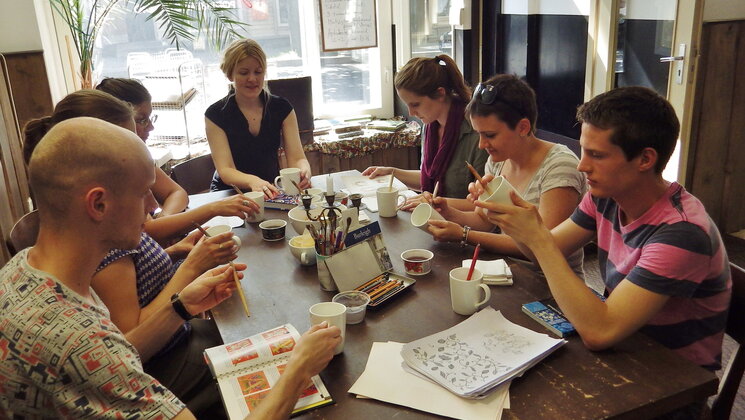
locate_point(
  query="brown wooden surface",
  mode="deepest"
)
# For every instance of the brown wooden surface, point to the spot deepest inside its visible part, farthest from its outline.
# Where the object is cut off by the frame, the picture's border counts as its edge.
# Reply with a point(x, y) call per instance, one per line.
point(718, 130)
point(30, 84)
point(637, 379)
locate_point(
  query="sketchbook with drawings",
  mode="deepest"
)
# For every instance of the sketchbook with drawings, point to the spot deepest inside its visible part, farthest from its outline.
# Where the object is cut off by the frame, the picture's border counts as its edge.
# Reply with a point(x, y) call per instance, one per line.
point(479, 354)
point(247, 369)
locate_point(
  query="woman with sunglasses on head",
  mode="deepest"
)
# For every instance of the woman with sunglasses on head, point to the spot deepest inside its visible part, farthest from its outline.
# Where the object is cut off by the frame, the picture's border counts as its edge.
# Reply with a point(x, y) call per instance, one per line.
point(172, 221)
point(170, 196)
point(503, 112)
point(434, 91)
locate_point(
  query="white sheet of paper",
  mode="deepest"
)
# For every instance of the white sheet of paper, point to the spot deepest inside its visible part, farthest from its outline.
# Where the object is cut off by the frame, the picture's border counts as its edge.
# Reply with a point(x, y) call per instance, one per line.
point(384, 379)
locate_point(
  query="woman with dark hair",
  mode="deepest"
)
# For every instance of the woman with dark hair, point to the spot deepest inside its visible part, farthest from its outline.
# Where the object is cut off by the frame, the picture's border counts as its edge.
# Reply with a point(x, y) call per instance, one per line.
point(247, 127)
point(171, 197)
point(503, 112)
point(135, 282)
point(434, 91)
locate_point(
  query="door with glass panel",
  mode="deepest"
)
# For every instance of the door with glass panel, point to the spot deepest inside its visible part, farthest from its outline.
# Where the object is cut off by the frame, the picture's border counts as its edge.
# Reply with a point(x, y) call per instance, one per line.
point(649, 43)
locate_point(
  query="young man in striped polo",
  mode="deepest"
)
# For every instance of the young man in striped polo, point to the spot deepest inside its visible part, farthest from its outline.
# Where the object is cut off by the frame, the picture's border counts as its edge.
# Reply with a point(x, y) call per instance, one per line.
point(661, 257)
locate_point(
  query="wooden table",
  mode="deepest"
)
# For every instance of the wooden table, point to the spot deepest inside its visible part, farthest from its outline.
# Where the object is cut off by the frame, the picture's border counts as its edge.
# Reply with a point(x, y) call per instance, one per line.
point(638, 378)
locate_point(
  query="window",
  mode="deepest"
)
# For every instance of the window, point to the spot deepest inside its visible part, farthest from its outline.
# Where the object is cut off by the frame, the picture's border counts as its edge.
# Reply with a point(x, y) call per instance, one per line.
point(423, 29)
point(344, 82)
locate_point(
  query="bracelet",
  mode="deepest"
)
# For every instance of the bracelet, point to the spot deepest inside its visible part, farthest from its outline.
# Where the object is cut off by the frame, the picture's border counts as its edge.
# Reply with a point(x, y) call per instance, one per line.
point(464, 241)
point(179, 308)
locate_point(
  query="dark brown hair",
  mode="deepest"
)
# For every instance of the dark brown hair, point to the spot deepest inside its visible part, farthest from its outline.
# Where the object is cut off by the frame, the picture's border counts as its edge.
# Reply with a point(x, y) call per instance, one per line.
point(128, 90)
point(513, 100)
point(83, 103)
point(639, 118)
point(423, 76)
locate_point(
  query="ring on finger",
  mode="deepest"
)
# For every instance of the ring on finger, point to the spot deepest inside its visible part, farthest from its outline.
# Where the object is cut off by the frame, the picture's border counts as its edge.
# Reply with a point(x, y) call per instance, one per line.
point(245, 203)
point(219, 246)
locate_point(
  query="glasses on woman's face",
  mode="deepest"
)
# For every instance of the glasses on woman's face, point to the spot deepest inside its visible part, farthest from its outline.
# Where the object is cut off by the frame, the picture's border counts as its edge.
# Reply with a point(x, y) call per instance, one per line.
point(147, 120)
point(487, 93)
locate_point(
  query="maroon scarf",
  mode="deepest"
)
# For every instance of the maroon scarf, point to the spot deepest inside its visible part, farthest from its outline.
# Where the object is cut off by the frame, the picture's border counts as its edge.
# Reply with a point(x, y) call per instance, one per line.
point(437, 154)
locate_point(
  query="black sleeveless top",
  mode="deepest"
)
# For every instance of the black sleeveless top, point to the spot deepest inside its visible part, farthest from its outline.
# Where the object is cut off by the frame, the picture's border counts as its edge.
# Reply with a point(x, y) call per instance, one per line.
point(255, 155)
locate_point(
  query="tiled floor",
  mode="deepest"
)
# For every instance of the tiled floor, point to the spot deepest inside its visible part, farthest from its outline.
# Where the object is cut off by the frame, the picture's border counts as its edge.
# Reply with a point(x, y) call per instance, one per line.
point(736, 251)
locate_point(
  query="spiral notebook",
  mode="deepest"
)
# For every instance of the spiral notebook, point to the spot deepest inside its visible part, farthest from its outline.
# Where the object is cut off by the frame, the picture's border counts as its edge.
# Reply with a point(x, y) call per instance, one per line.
point(246, 370)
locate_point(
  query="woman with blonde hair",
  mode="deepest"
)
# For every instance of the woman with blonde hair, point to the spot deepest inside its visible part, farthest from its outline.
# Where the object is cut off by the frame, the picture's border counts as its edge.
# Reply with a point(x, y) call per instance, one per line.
point(434, 91)
point(246, 128)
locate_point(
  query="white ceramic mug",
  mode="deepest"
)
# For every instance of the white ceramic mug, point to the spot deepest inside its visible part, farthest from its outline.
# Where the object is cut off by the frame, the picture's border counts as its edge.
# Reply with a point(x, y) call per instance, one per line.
point(388, 201)
point(303, 248)
point(285, 178)
point(218, 229)
point(465, 295)
point(500, 191)
point(335, 314)
point(422, 214)
point(258, 198)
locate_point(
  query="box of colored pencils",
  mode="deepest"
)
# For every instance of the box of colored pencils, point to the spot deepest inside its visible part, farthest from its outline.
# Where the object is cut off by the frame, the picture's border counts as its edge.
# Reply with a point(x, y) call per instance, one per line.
point(385, 287)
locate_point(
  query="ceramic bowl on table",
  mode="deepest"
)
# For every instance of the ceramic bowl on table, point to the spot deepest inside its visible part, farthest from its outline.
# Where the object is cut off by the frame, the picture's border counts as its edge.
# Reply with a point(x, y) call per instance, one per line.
point(417, 262)
point(273, 230)
point(299, 218)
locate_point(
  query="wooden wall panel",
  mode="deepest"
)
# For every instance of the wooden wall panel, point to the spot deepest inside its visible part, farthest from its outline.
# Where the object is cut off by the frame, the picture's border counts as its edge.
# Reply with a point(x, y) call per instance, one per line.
point(718, 133)
point(30, 84)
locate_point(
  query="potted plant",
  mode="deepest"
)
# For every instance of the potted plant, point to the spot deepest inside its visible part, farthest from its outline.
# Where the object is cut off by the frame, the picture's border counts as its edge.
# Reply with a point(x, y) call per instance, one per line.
point(179, 20)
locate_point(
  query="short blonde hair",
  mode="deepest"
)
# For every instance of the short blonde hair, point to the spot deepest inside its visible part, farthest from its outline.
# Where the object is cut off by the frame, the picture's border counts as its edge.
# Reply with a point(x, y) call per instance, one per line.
point(239, 50)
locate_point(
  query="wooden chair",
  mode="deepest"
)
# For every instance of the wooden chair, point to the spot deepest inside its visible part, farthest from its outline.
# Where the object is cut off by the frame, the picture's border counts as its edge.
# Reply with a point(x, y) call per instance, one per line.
point(734, 370)
point(24, 233)
point(299, 93)
point(195, 174)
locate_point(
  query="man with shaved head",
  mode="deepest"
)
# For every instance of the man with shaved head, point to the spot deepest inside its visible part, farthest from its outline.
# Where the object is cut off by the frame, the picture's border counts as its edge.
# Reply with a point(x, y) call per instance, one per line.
point(60, 354)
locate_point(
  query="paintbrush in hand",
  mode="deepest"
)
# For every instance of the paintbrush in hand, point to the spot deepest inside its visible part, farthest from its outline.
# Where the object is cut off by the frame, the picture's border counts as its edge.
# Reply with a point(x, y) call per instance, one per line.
point(478, 178)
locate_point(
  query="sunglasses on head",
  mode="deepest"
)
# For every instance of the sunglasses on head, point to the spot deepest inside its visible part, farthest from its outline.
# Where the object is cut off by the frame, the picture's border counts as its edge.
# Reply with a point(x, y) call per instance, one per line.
point(487, 93)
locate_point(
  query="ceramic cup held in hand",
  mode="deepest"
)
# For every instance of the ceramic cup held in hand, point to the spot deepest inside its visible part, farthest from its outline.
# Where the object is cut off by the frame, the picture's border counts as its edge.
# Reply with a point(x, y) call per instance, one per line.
point(258, 198)
point(417, 262)
point(465, 295)
point(304, 249)
point(273, 230)
point(388, 201)
point(335, 314)
point(500, 188)
point(218, 229)
point(285, 178)
point(422, 214)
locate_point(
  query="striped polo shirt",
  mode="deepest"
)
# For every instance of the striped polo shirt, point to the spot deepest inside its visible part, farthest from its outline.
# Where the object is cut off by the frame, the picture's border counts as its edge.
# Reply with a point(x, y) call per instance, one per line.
point(673, 249)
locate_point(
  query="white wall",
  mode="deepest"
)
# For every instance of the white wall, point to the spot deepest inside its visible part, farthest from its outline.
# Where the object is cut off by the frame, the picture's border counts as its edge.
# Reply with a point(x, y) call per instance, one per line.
point(19, 30)
point(546, 7)
point(715, 10)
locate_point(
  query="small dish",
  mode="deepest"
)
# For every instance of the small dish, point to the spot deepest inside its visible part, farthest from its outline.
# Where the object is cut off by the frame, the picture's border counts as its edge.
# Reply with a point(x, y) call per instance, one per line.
point(356, 303)
point(273, 230)
point(417, 262)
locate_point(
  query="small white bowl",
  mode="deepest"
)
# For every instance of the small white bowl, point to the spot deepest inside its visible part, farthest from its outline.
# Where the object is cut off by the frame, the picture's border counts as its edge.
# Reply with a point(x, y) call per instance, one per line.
point(299, 218)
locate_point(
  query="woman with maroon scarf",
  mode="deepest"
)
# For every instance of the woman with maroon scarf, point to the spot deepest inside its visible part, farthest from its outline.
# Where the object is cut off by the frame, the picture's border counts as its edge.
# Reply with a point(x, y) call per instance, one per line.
point(434, 91)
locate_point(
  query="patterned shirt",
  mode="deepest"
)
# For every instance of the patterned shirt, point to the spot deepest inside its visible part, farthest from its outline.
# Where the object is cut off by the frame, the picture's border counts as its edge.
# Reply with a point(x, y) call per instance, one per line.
point(673, 249)
point(153, 270)
point(62, 357)
point(558, 170)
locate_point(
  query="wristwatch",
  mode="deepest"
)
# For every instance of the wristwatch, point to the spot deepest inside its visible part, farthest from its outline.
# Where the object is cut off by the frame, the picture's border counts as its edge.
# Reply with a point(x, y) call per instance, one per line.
point(179, 308)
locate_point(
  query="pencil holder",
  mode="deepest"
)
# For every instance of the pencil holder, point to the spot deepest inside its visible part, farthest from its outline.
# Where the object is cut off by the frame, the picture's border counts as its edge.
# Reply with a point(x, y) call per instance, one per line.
point(324, 275)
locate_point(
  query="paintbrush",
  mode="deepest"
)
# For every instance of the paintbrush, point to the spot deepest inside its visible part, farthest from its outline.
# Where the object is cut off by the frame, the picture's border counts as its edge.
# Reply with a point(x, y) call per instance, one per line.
point(434, 192)
point(296, 186)
point(478, 178)
point(235, 272)
point(238, 190)
point(390, 183)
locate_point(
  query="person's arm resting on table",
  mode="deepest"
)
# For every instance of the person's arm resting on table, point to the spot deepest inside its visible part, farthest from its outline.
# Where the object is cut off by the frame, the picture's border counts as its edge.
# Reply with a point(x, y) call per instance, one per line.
point(225, 164)
point(599, 324)
point(294, 149)
point(171, 197)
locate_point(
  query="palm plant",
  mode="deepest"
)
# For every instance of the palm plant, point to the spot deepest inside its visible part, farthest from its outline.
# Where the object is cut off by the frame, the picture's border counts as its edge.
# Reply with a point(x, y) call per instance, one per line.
point(180, 20)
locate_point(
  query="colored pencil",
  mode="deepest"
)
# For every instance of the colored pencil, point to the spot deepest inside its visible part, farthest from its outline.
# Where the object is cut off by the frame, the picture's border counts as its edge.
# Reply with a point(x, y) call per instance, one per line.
point(478, 178)
point(473, 261)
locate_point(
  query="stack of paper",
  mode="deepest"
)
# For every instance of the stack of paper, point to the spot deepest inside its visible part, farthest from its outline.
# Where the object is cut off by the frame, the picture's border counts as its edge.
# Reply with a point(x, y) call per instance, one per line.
point(358, 184)
point(481, 353)
point(495, 272)
point(385, 379)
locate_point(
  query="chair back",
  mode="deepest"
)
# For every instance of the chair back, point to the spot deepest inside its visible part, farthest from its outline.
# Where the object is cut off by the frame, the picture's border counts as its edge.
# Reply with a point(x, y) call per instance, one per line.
point(24, 232)
point(195, 174)
point(572, 144)
point(730, 383)
point(299, 92)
